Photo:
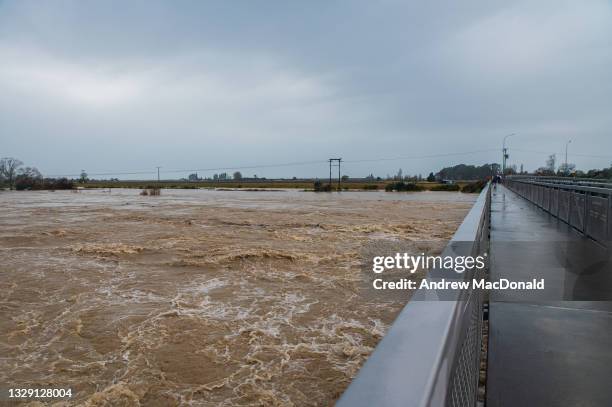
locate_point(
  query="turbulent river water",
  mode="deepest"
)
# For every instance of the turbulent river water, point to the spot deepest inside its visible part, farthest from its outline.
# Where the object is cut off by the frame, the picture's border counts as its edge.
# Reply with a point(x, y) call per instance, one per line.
point(198, 297)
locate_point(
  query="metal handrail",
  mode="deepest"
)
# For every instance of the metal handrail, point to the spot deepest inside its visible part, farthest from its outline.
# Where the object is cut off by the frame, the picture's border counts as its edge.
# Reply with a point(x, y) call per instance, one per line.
point(431, 355)
point(588, 209)
point(558, 178)
point(596, 182)
point(570, 187)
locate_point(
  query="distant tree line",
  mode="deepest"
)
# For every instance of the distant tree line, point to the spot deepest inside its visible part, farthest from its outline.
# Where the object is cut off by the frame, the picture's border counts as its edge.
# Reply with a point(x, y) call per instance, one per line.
point(569, 170)
point(606, 173)
point(467, 172)
point(14, 175)
point(471, 172)
point(224, 176)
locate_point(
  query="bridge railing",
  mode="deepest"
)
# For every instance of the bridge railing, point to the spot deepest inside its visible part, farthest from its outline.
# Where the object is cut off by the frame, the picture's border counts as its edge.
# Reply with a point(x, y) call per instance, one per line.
point(593, 182)
point(587, 206)
point(430, 356)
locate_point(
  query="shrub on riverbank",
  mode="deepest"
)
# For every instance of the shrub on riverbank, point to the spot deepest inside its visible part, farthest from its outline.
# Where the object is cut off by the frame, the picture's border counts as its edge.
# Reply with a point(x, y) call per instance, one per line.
point(151, 191)
point(403, 186)
point(25, 183)
point(445, 187)
point(474, 187)
point(320, 187)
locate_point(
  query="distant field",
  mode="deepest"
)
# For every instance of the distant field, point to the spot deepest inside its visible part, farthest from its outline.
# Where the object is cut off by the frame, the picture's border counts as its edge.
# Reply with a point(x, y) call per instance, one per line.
point(252, 184)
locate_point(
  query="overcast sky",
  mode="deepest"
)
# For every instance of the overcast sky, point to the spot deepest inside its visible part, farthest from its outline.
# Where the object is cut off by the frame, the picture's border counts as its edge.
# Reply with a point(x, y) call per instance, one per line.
point(126, 86)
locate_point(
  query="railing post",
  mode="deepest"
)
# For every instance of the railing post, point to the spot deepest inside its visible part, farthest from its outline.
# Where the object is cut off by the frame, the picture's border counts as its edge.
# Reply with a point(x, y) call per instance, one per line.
point(587, 203)
point(609, 220)
point(569, 207)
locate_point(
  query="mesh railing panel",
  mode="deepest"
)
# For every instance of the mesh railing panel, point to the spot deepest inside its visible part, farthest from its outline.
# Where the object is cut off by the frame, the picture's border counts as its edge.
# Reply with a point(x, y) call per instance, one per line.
point(464, 386)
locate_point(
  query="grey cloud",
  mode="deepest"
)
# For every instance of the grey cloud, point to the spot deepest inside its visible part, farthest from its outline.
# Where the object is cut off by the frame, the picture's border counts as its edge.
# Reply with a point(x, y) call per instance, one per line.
point(122, 86)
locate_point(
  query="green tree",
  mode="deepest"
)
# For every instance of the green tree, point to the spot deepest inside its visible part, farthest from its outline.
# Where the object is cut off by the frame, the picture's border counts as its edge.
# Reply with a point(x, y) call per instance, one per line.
point(468, 172)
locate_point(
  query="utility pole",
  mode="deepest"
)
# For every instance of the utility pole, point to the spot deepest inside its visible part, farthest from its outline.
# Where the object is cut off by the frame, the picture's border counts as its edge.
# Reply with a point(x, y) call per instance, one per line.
point(337, 162)
point(505, 153)
point(158, 174)
point(339, 176)
point(566, 169)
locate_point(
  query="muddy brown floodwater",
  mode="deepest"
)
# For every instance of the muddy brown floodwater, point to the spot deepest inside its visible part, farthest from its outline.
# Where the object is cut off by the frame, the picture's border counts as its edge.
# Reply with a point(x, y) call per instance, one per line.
point(198, 297)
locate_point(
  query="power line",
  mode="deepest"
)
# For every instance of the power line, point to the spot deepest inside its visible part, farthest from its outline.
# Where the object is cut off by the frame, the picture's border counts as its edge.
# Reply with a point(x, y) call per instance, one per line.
point(106, 173)
point(552, 152)
point(418, 157)
point(198, 169)
point(293, 164)
point(325, 161)
point(301, 163)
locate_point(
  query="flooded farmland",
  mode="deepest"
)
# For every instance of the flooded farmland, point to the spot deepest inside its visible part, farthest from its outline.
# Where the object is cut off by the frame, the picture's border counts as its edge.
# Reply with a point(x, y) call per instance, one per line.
point(198, 297)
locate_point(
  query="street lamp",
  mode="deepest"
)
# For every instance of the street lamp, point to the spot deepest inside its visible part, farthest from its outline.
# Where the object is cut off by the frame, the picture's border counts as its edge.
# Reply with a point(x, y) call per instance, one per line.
point(505, 152)
point(566, 169)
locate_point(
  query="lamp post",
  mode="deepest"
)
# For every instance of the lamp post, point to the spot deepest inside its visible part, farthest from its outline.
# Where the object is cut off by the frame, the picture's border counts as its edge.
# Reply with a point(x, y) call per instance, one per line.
point(566, 170)
point(505, 153)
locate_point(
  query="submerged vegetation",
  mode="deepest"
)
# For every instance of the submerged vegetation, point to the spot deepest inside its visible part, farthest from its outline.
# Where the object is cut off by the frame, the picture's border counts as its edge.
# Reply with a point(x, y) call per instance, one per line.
point(29, 183)
point(151, 191)
point(403, 186)
point(320, 187)
point(446, 187)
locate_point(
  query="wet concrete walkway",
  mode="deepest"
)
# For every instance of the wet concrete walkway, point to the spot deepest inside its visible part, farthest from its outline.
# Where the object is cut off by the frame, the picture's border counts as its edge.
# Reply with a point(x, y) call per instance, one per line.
point(550, 348)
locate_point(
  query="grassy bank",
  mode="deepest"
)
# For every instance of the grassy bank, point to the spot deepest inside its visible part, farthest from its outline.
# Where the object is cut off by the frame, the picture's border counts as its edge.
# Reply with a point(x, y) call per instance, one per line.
point(266, 184)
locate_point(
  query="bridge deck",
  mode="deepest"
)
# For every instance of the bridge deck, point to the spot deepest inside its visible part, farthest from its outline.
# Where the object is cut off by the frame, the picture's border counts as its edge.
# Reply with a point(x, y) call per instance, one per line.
point(544, 352)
